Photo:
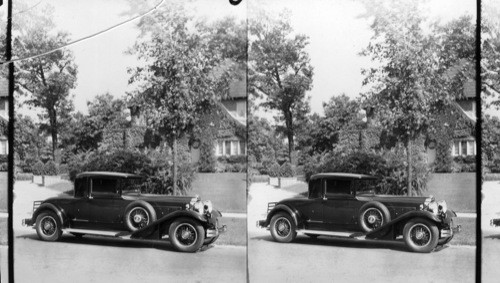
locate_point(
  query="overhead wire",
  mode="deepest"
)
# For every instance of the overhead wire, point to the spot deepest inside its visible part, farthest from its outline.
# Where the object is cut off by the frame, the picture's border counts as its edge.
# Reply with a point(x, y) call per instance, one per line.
point(26, 10)
point(86, 37)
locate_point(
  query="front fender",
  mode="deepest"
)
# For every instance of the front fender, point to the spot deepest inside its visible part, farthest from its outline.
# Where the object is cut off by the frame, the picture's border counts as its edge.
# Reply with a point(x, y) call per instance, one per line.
point(51, 207)
point(294, 213)
point(165, 220)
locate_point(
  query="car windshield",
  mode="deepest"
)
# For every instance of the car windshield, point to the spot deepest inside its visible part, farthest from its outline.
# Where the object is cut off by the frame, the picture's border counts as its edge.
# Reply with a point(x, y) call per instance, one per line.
point(366, 186)
point(130, 185)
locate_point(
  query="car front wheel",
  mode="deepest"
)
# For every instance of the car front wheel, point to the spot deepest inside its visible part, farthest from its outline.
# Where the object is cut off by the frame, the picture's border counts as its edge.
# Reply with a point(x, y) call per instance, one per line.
point(186, 235)
point(48, 226)
point(421, 235)
point(283, 228)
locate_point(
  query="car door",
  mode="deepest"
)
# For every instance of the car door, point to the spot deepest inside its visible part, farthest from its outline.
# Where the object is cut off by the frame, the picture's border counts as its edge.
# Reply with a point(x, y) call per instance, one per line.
point(105, 203)
point(312, 210)
point(78, 210)
point(339, 204)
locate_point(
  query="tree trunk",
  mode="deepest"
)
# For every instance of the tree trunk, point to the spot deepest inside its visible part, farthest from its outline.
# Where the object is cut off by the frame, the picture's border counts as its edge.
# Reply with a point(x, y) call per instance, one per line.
point(289, 133)
point(54, 143)
point(408, 157)
point(174, 166)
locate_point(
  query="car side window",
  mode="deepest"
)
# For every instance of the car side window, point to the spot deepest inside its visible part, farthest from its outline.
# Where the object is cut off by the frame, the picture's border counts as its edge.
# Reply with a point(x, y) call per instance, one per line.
point(80, 188)
point(104, 187)
point(315, 189)
point(338, 187)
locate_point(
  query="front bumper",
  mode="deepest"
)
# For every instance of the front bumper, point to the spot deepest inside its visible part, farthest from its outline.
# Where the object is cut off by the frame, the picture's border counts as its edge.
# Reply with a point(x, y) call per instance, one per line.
point(215, 232)
point(262, 224)
point(27, 222)
point(445, 233)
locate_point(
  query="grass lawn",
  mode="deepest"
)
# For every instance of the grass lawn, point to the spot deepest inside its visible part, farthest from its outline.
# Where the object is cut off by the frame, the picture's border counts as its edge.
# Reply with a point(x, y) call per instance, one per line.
point(468, 234)
point(227, 191)
point(236, 233)
point(459, 190)
point(4, 237)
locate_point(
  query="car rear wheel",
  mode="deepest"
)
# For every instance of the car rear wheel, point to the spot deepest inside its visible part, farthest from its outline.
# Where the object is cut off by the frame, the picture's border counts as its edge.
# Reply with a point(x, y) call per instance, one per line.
point(48, 226)
point(373, 215)
point(421, 235)
point(186, 235)
point(283, 228)
point(139, 216)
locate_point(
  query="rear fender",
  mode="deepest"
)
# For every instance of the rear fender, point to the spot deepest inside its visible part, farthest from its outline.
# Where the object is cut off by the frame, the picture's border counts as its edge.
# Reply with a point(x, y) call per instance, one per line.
point(156, 228)
point(382, 232)
point(51, 207)
point(284, 208)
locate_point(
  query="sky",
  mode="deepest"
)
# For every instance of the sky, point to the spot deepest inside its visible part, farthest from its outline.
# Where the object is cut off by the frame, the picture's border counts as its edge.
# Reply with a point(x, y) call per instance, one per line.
point(102, 62)
point(336, 35)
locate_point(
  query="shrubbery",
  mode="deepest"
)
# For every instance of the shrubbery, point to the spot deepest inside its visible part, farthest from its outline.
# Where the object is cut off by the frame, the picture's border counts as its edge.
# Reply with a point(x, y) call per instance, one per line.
point(50, 168)
point(274, 170)
point(286, 170)
point(208, 160)
point(388, 165)
point(38, 168)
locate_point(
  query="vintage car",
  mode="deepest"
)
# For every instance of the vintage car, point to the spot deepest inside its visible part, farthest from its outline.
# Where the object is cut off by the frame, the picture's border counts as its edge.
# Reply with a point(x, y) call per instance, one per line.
point(345, 205)
point(111, 204)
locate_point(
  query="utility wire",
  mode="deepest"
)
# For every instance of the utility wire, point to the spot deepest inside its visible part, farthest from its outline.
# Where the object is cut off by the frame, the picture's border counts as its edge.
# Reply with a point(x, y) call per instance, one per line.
point(86, 37)
point(26, 10)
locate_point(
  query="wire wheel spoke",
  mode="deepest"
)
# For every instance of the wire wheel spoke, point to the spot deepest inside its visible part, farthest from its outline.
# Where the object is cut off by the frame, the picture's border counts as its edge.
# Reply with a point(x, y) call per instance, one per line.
point(186, 234)
point(373, 218)
point(282, 227)
point(48, 225)
point(420, 234)
point(139, 217)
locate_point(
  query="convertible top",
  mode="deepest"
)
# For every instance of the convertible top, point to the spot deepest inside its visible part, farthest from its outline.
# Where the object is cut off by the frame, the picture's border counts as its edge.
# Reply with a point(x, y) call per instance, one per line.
point(341, 175)
point(107, 174)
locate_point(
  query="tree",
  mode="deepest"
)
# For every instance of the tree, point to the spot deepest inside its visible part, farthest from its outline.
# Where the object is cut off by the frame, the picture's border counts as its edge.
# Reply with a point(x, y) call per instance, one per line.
point(279, 69)
point(341, 114)
point(28, 143)
point(490, 52)
point(412, 80)
point(179, 81)
point(46, 81)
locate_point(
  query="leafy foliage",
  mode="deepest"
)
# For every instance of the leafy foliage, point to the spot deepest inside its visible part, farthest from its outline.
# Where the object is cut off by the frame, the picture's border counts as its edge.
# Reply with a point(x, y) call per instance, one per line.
point(286, 170)
point(279, 69)
point(50, 168)
point(490, 52)
point(274, 170)
point(46, 81)
point(38, 168)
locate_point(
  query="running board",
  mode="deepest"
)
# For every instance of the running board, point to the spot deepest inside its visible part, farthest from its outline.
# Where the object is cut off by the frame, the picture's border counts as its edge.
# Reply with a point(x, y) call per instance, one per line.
point(121, 234)
point(355, 235)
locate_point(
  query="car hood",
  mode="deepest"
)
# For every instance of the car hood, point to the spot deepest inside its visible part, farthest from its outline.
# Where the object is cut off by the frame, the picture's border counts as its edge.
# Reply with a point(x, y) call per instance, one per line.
point(370, 197)
point(391, 198)
point(158, 198)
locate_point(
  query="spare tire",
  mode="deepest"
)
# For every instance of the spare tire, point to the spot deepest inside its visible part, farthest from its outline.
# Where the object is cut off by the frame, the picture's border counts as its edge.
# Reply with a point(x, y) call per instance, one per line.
point(139, 215)
point(373, 215)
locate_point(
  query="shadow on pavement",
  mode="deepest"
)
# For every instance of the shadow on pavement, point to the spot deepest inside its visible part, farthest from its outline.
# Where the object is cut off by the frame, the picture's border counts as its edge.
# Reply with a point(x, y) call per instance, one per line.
point(109, 242)
point(397, 245)
point(496, 236)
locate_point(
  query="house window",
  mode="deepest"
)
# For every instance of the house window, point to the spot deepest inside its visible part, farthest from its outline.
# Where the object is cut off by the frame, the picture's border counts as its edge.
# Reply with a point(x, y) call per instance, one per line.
point(241, 109)
point(243, 148)
point(456, 148)
point(227, 145)
point(220, 148)
point(234, 147)
point(463, 145)
point(3, 147)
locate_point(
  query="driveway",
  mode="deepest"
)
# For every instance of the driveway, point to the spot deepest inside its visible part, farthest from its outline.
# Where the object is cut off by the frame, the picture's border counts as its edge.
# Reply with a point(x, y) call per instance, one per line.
point(490, 208)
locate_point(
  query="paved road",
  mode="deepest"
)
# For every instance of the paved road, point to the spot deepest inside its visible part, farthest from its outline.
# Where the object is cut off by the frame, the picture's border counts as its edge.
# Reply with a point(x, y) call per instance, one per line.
point(333, 260)
point(97, 259)
point(491, 235)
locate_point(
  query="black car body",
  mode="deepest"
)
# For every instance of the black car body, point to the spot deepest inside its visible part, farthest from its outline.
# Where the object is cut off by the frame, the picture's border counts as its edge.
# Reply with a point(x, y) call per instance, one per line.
point(345, 205)
point(111, 204)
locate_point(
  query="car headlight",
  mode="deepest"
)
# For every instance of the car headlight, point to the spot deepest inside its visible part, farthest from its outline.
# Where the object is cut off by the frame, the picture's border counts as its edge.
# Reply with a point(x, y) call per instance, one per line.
point(207, 206)
point(198, 206)
point(442, 207)
point(433, 207)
